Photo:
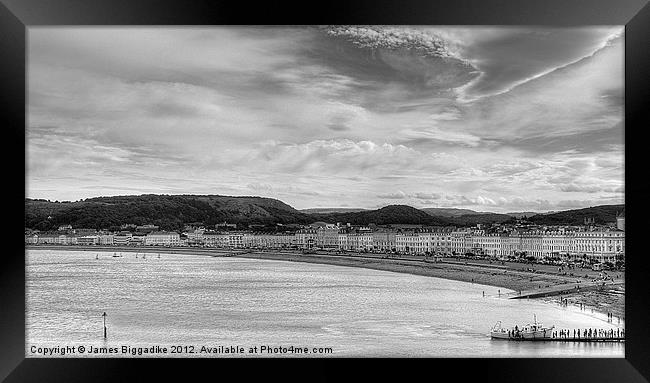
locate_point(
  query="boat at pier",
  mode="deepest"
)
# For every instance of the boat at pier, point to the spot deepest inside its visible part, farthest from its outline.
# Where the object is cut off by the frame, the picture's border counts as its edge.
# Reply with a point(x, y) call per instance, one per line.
point(529, 331)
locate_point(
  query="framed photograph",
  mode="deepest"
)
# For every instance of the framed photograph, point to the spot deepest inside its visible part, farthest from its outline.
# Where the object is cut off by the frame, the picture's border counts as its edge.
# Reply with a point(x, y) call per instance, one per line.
point(440, 183)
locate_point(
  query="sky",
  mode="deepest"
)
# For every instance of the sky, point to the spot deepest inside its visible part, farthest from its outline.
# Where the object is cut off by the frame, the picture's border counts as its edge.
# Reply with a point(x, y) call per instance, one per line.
point(499, 119)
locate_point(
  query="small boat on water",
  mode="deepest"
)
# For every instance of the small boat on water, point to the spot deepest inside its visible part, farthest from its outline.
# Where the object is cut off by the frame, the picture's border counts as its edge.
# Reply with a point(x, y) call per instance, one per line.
point(530, 331)
point(97, 256)
point(117, 256)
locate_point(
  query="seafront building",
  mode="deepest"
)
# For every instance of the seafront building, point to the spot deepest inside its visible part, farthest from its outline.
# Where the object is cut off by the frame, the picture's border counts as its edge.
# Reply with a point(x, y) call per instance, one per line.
point(138, 240)
point(620, 220)
point(599, 246)
point(384, 241)
point(123, 238)
point(592, 244)
point(306, 238)
point(215, 240)
point(88, 240)
point(327, 237)
point(106, 239)
point(162, 238)
point(236, 240)
point(269, 241)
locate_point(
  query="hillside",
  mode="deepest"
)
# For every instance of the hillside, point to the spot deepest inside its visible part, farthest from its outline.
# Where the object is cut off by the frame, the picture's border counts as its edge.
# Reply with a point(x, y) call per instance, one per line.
point(448, 211)
point(601, 214)
point(393, 214)
point(170, 212)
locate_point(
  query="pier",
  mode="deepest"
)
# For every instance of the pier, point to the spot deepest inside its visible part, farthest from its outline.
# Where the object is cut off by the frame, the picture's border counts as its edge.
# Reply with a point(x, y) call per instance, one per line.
point(568, 339)
point(562, 335)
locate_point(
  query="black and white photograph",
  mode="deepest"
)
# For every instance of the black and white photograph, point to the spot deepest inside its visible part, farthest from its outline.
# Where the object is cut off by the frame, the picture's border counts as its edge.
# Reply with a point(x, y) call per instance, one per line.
point(325, 191)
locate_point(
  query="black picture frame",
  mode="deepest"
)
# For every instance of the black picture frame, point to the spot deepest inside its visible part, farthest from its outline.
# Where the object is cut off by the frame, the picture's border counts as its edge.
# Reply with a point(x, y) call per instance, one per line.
point(17, 15)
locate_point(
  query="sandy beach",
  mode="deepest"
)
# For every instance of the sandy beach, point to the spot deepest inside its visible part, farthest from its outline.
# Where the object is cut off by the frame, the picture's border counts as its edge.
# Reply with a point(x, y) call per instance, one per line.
point(516, 277)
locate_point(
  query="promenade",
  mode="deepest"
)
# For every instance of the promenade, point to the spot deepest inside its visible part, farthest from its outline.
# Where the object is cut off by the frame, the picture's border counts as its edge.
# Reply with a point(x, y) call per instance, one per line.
point(562, 289)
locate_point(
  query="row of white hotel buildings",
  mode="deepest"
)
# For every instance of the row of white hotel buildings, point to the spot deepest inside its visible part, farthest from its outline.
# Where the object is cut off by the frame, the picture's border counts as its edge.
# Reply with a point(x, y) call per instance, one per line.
point(596, 244)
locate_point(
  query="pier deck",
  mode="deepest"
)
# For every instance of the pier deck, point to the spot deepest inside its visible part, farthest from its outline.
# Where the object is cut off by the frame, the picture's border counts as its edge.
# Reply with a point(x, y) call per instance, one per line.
point(569, 339)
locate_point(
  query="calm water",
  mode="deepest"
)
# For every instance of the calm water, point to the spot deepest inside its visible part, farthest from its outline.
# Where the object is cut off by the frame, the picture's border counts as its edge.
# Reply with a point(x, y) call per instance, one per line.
point(189, 300)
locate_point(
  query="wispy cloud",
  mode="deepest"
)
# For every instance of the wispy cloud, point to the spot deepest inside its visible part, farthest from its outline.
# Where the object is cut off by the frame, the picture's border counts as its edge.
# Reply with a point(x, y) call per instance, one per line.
point(503, 118)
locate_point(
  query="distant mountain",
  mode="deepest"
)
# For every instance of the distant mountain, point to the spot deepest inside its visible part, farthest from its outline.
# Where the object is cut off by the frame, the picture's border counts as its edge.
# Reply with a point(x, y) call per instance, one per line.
point(448, 212)
point(482, 218)
point(523, 214)
point(601, 214)
point(326, 210)
point(467, 217)
point(393, 214)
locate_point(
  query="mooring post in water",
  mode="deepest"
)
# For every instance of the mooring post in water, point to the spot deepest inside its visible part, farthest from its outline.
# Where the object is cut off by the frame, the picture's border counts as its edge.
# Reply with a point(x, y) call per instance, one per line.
point(104, 316)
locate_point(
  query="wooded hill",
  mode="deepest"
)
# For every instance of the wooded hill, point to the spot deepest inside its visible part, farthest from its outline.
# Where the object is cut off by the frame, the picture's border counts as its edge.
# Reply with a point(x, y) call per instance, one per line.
point(170, 212)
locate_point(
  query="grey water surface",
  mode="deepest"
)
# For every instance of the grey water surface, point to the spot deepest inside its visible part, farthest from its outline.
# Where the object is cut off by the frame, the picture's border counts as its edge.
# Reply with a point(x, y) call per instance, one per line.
point(193, 301)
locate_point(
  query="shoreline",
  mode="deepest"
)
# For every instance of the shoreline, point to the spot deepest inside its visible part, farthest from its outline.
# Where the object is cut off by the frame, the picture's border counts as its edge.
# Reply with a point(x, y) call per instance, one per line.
point(513, 277)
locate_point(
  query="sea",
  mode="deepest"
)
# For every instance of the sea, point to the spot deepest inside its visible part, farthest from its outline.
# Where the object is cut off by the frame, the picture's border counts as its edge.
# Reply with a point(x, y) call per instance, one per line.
point(175, 305)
